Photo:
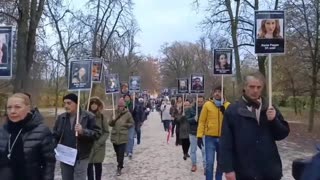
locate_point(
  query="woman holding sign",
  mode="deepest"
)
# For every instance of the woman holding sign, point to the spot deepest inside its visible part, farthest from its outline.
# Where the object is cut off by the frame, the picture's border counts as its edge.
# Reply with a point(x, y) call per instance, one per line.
point(26, 144)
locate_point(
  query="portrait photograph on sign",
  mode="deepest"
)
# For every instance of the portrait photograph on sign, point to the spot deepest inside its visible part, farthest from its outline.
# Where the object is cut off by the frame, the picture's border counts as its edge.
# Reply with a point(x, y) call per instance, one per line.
point(112, 83)
point(80, 75)
point(222, 64)
point(135, 83)
point(96, 70)
point(124, 88)
point(269, 32)
point(183, 86)
point(6, 46)
point(197, 85)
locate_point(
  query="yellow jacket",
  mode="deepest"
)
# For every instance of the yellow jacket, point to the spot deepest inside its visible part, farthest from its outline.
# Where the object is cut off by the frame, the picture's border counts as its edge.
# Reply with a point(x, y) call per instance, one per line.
point(210, 120)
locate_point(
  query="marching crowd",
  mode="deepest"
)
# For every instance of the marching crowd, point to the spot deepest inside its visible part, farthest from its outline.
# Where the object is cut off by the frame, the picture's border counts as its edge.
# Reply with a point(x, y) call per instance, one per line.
point(239, 137)
point(27, 146)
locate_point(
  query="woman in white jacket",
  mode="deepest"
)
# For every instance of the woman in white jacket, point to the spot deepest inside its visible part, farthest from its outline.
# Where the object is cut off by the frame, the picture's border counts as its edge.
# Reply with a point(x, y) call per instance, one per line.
point(166, 116)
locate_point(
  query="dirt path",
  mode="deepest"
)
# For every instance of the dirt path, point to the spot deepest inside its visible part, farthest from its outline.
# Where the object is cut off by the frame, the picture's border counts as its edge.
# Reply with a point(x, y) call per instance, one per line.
point(157, 160)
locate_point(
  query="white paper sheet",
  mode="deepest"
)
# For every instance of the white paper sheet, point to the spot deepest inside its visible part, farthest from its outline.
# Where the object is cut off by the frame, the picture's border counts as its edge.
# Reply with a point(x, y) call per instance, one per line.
point(66, 154)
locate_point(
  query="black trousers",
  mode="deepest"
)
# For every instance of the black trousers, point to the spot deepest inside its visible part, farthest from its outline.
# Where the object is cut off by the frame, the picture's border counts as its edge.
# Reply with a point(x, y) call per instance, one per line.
point(185, 145)
point(94, 168)
point(120, 149)
point(173, 126)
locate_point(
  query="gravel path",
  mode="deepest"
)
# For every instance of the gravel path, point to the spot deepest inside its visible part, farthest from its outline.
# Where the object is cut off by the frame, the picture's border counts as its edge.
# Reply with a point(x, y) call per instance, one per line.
point(154, 159)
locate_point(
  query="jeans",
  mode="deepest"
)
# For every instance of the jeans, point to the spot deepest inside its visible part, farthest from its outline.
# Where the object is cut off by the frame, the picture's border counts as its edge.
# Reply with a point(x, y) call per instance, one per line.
point(119, 149)
point(194, 147)
point(212, 146)
point(138, 132)
point(76, 172)
point(166, 124)
point(131, 140)
point(94, 170)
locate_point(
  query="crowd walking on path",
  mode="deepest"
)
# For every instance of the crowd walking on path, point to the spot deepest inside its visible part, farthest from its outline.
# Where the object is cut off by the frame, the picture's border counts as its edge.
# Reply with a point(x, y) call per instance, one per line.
point(237, 140)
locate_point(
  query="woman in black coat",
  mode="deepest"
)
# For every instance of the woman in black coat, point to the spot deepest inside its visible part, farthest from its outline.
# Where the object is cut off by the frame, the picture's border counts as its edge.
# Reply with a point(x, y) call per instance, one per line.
point(26, 144)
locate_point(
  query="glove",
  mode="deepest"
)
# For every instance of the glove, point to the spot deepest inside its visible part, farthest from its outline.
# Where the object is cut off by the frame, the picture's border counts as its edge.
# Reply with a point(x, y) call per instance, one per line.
point(200, 143)
point(222, 109)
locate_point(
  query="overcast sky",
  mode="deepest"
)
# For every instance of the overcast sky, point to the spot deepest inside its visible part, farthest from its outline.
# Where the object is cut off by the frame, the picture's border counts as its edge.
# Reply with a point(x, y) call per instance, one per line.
point(163, 21)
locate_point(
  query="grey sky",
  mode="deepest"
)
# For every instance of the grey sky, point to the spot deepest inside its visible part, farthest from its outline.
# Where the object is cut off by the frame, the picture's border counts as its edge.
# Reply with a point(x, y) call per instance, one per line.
point(163, 21)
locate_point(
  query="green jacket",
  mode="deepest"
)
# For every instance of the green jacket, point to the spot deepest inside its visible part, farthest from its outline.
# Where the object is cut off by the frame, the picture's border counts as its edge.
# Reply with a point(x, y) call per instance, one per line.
point(99, 148)
point(120, 127)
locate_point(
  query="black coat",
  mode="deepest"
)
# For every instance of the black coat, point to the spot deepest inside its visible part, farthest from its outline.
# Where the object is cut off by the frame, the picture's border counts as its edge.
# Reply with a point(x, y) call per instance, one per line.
point(249, 148)
point(38, 148)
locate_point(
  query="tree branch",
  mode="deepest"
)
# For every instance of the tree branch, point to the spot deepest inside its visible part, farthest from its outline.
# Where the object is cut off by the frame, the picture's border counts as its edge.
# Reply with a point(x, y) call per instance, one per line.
point(9, 15)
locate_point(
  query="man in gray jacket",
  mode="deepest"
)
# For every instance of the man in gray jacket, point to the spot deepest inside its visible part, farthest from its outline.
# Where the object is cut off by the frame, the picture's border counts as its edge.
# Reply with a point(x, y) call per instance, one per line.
point(64, 132)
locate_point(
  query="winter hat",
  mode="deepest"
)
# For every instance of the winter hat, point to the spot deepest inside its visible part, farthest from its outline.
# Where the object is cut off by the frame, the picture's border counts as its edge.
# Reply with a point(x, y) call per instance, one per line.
point(121, 103)
point(71, 97)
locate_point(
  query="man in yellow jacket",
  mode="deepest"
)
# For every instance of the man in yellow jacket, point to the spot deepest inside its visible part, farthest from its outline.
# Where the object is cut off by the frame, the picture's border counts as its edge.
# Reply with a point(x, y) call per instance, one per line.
point(209, 125)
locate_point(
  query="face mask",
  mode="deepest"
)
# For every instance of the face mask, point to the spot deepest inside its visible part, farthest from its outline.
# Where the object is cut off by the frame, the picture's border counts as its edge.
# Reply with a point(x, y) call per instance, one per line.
point(217, 102)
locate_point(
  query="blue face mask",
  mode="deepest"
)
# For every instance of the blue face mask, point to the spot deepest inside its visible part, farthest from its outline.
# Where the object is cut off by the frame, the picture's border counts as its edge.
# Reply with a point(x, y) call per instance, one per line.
point(217, 102)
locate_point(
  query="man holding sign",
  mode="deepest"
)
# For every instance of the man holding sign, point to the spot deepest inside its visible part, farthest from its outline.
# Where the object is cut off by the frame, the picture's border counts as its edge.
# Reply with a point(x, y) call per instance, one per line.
point(249, 133)
point(65, 130)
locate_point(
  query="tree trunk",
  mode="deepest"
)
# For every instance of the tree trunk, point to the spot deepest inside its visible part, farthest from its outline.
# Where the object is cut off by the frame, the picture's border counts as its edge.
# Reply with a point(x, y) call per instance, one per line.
point(21, 78)
point(313, 100)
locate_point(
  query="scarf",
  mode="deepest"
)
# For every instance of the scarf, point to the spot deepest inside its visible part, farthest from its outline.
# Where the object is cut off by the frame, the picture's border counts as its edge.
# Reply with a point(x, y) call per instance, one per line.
point(251, 102)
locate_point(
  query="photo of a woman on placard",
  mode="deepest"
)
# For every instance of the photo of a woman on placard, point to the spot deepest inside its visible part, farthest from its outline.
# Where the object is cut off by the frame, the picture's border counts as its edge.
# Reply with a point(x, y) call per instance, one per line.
point(270, 29)
point(79, 76)
point(222, 62)
point(3, 49)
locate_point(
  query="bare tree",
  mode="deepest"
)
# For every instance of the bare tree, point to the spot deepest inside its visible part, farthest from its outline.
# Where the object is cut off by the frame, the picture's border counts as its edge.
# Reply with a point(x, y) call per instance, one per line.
point(304, 24)
point(26, 15)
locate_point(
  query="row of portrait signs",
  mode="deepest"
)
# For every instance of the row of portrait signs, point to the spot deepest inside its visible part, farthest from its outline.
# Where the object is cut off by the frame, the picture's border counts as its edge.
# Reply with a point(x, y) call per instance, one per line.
point(269, 39)
point(83, 73)
point(269, 33)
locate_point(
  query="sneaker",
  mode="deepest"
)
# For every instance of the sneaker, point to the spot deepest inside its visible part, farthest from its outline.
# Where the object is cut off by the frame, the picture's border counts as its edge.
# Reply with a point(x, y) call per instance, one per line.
point(194, 168)
point(188, 155)
point(119, 171)
point(130, 156)
point(138, 142)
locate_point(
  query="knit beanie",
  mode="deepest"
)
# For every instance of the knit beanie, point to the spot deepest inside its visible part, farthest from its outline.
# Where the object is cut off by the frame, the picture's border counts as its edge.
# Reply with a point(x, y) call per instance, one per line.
point(71, 97)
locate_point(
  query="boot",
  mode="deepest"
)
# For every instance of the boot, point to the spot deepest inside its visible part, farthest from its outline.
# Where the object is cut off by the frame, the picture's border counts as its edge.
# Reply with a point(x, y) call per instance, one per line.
point(185, 157)
point(119, 171)
point(194, 168)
